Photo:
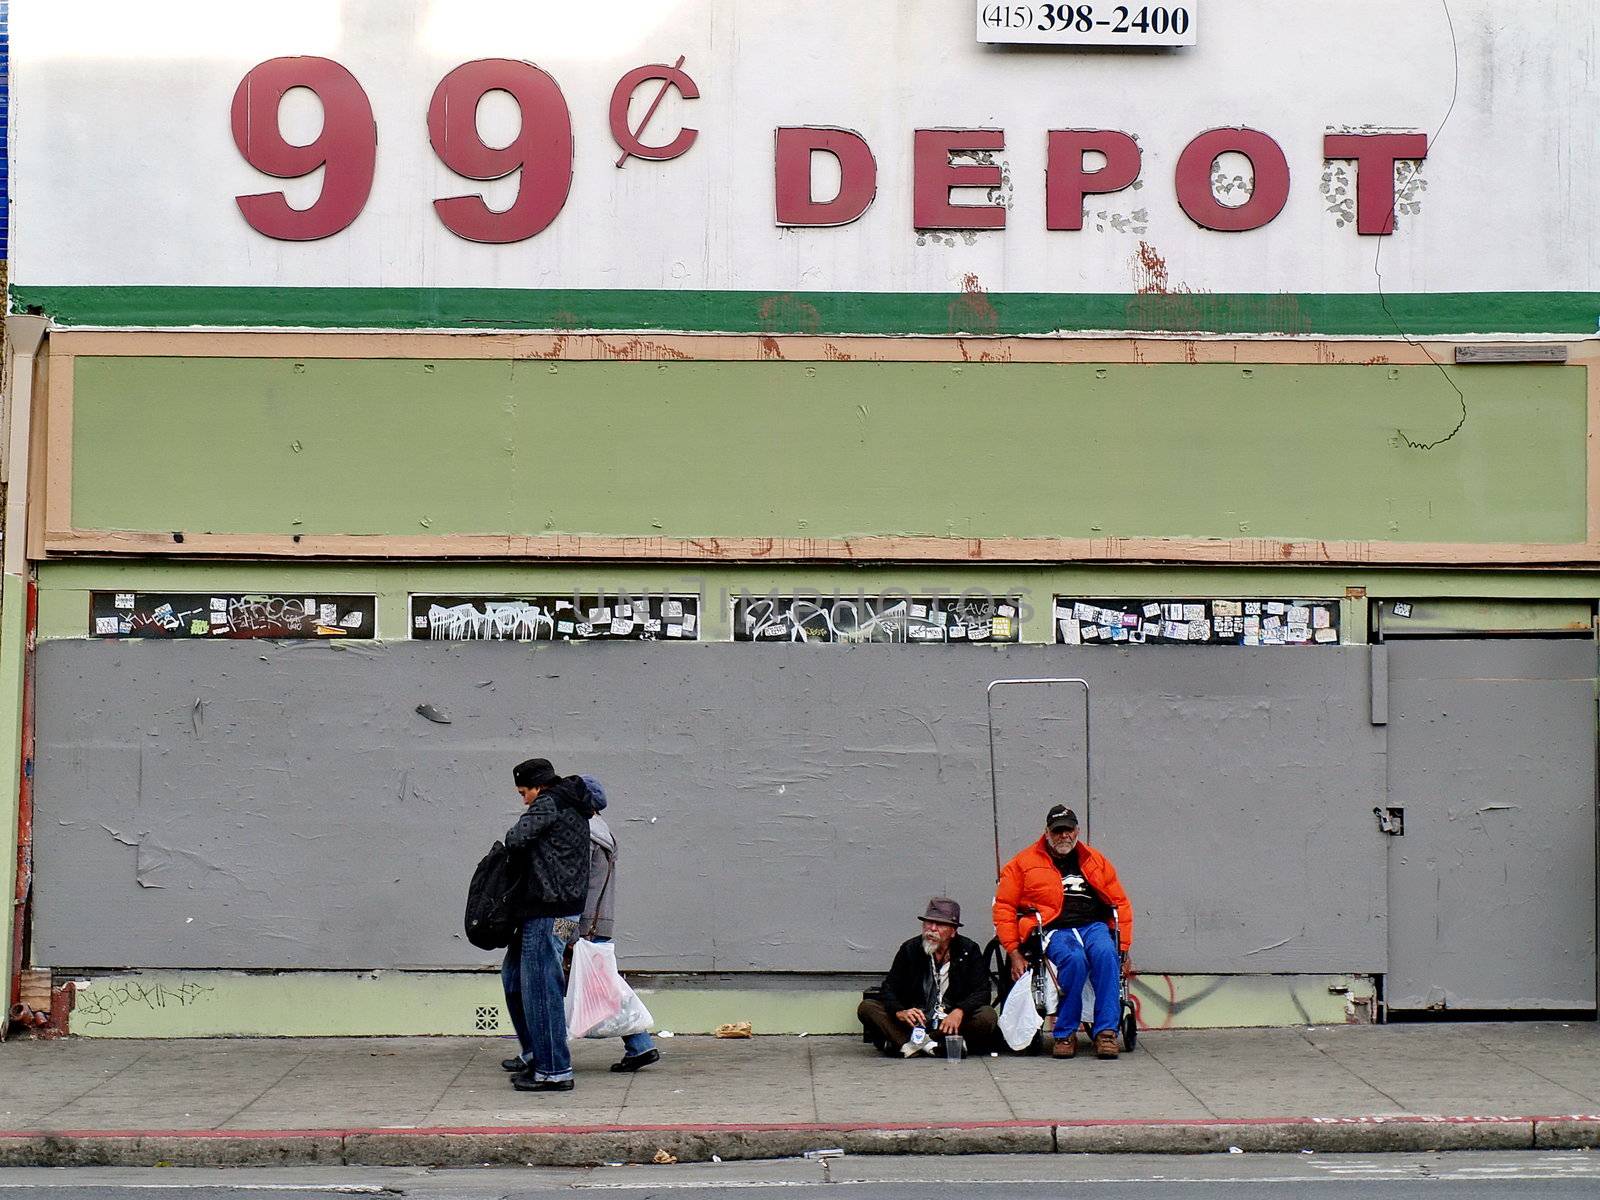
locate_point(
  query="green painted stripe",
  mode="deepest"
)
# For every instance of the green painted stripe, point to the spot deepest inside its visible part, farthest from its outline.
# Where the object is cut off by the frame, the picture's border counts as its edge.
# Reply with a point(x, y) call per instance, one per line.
point(1436, 314)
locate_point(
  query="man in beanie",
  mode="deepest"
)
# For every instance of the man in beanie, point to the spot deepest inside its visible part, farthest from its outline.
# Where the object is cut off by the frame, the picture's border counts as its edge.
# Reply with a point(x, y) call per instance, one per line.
point(1073, 888)
point(638, 1049)
point(938, 984)
point(553, 836)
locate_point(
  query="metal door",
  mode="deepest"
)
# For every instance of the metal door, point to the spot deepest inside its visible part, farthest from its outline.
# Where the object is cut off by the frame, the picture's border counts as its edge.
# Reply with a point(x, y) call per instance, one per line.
point(1491, 765)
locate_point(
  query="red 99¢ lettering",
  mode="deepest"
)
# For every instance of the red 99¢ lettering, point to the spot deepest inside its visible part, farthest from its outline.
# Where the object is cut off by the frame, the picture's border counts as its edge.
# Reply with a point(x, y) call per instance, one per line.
point(347, 148)
point(541, 156)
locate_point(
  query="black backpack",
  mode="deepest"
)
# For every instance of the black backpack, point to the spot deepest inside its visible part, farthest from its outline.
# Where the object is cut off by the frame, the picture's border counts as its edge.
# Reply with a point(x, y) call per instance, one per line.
point(494, 899)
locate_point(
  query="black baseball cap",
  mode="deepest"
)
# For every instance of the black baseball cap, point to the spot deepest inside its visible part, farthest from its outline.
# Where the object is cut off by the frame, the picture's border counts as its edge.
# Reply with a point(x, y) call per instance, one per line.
point(1060, 817)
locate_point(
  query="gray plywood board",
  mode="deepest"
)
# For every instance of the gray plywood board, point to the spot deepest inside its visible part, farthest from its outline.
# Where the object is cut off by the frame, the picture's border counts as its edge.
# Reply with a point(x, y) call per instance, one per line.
point(780, 807)
point(1492, 888)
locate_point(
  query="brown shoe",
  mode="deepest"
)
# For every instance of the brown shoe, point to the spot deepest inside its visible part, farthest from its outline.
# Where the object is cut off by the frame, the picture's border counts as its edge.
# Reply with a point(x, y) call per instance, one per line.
point(1065, 1047)
point(1105, 1045)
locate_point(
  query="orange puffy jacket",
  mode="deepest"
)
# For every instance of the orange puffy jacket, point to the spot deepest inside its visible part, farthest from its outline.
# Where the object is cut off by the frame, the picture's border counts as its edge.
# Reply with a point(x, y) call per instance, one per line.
point(1032, 880)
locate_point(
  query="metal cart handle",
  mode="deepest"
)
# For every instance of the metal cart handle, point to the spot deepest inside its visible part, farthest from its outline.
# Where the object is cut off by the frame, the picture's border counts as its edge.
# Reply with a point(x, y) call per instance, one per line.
point(994, 783)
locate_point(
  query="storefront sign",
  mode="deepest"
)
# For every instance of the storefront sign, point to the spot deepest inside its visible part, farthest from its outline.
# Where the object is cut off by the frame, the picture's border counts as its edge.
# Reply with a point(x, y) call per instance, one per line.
point(698, 165)
point(1080, 162)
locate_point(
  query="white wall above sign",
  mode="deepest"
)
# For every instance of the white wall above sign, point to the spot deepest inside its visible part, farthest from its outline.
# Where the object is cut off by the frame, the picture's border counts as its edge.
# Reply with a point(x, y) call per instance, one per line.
point(1100, 23)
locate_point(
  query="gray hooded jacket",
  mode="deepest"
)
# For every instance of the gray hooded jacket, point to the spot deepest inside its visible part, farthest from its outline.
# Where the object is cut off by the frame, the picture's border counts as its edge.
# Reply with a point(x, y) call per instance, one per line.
point(597, 922)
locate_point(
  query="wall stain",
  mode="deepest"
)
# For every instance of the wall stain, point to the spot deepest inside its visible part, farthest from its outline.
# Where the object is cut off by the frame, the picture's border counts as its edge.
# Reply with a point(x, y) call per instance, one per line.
point(972, 311)
point(784, 313)
point(640, 349)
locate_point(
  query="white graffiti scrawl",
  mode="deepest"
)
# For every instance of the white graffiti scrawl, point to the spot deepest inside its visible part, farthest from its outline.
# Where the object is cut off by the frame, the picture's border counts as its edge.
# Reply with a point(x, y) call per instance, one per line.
point(555, 618)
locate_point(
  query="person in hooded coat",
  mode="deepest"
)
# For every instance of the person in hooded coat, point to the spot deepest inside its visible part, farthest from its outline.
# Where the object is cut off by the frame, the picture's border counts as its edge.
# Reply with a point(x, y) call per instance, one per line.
point(553, 836)
point(638, 1049)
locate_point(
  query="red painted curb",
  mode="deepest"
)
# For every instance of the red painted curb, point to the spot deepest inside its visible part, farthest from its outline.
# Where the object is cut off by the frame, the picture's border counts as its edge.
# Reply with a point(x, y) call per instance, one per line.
point(782, 1127)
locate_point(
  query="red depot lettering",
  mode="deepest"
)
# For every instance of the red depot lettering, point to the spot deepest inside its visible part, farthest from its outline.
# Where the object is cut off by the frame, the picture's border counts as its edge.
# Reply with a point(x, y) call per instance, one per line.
point(858, 175)
point(933, 175)
point(1067, 182)
point(542, 149)
point(1193, 181)
point(628, 139)
point(347, 147)
point(1375, 155)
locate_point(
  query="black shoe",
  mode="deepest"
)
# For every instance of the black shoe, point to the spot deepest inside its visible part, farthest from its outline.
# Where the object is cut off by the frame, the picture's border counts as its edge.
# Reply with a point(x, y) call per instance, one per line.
point(632, 1062)
point(514, 1065)
point(527, 1083)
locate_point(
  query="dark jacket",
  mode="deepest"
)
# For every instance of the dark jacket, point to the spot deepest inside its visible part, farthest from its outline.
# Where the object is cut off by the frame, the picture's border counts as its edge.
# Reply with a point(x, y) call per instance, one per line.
point(910, 979)
point(553, 834)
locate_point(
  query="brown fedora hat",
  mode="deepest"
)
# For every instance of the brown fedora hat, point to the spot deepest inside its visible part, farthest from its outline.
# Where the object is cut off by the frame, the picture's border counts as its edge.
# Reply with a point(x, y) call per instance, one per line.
point(943, 910)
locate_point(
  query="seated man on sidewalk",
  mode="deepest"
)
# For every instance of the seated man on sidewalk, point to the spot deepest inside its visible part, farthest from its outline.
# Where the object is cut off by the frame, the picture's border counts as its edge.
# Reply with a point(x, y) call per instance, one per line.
point(1072, 889)
point(938, 984)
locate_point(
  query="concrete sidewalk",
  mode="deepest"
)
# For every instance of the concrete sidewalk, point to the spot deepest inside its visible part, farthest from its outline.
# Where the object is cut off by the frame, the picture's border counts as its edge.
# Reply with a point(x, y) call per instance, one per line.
point(445, 1101)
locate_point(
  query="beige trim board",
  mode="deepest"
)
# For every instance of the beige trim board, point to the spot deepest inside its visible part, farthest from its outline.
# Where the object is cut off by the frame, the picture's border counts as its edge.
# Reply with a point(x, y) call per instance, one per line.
point(863, 549)
point(753, 348)
point(60, 537)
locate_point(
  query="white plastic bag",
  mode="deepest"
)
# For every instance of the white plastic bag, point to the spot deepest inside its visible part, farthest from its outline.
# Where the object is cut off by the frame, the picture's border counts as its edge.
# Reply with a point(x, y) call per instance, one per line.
point(600, 1004)
point(1020, 1019)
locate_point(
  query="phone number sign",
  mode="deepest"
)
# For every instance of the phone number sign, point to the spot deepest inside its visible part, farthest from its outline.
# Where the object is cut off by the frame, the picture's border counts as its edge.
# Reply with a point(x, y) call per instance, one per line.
point(1088, 24)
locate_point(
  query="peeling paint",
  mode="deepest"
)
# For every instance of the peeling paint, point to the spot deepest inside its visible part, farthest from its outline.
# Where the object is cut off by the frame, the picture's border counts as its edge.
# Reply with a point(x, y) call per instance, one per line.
point(1002, 194)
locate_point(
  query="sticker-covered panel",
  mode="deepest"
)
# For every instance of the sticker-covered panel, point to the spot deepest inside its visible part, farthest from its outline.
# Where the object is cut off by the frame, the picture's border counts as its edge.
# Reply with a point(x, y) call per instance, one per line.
point(230, 615)
point(569, 618)
point(890, 618)
point(1213, 622)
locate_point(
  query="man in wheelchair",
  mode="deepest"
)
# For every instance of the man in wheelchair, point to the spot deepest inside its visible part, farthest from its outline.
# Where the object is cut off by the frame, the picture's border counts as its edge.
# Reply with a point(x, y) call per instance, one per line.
point(1066, 893)
point(938, 987)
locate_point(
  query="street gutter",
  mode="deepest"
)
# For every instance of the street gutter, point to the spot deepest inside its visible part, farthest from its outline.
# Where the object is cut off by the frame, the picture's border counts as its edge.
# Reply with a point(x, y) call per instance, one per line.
point(594, 1145)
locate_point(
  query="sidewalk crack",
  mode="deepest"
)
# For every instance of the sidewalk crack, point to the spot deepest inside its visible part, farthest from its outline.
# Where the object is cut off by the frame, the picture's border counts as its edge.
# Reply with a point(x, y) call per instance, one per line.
point(1350, 1071)
point(471, 1057)
point(239, 1112)
point(1195, 1096)
point(811, 1070)
point(1584, 1096)
point(99, 1083)
point(1004, 1099)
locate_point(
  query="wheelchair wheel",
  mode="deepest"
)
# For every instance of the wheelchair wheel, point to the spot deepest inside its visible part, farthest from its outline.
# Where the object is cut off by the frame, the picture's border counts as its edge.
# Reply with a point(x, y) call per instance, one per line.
point(1130, 1028)
point(999, 972)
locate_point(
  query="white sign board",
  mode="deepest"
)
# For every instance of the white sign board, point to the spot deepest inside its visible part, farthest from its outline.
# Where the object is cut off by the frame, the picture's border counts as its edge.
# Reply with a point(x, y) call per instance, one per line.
point(137, 149)
point(1096, 23)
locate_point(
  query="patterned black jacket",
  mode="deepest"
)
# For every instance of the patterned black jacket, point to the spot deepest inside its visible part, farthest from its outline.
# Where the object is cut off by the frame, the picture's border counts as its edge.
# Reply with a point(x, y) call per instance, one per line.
point(553, 834)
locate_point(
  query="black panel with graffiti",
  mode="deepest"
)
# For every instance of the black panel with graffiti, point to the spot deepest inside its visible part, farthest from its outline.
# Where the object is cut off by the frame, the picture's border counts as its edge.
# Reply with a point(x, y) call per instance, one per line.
point(231, 615)
point(1196, 622)
point(967, 619)
point(576, 618)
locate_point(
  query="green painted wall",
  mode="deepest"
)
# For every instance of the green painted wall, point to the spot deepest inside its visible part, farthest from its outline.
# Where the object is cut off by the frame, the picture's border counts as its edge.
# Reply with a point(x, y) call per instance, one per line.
point(346, 1004)
point(828, 450)
point(1503, 599)
point(13, 625)
point(1421, 314)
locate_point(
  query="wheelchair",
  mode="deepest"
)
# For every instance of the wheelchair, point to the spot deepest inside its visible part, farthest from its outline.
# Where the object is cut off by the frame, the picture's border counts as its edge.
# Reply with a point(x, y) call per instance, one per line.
point(1032, 947)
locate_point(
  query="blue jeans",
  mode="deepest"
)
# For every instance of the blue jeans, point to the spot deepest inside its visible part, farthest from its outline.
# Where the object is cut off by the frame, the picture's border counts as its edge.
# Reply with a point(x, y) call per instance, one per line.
point(535, 996)
point(634, 1043)
point(1086, 952)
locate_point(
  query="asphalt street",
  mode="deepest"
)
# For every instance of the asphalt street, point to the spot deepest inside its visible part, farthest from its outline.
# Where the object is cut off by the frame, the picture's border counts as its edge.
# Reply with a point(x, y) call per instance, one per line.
point(1470, 1176)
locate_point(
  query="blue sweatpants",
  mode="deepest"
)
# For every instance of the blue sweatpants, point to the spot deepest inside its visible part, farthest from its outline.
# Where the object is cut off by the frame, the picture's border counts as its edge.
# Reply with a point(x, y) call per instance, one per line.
point(1087, 952)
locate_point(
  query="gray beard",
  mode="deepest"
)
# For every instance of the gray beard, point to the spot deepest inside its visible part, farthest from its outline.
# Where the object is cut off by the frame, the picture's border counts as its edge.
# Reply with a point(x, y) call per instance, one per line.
point(930, 946)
